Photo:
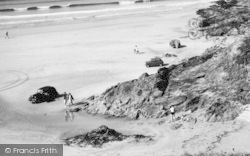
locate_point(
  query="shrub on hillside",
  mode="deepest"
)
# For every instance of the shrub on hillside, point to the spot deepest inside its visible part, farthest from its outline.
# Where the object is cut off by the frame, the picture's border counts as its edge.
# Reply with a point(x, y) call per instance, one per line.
point(246, 45)
point(221, 18)
point(221, 111)
point(226, 5)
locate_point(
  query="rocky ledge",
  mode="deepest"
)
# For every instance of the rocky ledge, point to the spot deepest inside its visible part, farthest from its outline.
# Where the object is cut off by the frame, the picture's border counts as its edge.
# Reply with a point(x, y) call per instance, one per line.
point(100, 136)
point(214, 84)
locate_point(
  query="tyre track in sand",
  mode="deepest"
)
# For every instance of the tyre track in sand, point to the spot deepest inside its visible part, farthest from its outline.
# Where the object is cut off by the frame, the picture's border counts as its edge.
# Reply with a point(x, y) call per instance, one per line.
point(20, 78)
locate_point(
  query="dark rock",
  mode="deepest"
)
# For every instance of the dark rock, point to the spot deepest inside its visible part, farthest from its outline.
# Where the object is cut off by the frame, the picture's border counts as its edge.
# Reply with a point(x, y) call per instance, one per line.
point(100, 136)
point(164, 73)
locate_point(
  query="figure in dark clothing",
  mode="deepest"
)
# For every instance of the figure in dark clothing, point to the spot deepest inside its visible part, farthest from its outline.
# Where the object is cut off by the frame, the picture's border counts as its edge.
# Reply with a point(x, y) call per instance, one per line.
point(65, 98)
point(7, 35)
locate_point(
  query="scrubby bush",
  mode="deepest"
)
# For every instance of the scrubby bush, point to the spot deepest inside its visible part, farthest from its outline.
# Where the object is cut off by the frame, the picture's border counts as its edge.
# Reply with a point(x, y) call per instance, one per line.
point(193, 104)
point(246, 45)
point(222, 17)
point(221, 111)
point(226, 5)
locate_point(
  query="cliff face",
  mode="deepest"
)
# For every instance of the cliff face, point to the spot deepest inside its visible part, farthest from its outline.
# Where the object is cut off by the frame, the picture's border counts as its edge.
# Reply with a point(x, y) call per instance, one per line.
point(216, 84)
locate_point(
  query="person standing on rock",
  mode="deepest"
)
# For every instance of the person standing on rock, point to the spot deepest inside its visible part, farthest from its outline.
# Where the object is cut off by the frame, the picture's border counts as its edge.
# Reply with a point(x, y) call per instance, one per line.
point(172, 112)
point(70, 99)
point(65, 98)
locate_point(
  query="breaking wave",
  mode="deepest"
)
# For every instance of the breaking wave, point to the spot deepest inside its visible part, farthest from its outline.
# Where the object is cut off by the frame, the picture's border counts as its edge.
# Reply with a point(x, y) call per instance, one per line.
point(125, 9)
point(126, 2)
point(57, 6)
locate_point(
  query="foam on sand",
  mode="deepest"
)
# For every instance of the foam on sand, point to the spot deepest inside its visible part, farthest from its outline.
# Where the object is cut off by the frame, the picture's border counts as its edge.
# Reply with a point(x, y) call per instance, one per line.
point(126, 2)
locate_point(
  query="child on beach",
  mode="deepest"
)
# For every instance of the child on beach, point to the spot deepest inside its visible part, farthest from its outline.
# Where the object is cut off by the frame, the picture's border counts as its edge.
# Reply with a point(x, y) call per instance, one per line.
point(172, 112)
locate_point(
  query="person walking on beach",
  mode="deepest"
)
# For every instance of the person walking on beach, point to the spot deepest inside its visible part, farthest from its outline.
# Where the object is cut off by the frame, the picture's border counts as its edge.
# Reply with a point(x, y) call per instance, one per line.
point(70, 99)
point(136, 50)
point(7, 35)
point(172, 112)
point(65, 98)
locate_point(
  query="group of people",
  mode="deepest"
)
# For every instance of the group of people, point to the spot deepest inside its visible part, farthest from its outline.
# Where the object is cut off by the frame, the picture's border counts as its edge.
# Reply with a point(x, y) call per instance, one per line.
point(68, 99)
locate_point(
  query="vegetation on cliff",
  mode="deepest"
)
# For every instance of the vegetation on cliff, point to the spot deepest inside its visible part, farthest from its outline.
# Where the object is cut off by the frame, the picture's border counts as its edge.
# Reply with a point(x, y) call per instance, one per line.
point(225, 18)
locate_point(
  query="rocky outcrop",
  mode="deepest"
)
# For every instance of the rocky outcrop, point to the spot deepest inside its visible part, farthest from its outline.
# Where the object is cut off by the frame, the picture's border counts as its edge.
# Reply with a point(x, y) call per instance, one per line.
point(215, 83)
point(100, 136)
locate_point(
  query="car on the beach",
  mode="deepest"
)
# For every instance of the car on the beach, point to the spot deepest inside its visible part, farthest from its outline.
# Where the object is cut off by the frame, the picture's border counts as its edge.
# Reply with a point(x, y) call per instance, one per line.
point(44, 94)
point(155, 62)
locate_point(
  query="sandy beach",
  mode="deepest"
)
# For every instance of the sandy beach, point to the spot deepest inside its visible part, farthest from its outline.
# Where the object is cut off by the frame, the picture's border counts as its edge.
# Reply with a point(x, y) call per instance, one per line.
point(85, 57)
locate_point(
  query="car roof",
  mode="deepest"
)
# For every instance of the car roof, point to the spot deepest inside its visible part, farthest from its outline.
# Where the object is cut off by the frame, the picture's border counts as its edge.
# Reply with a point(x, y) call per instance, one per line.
point(46, 88)
point(156, 58)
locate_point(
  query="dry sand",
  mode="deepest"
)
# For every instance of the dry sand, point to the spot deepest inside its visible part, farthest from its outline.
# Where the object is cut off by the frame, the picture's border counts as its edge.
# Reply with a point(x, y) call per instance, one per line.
point(86, 58)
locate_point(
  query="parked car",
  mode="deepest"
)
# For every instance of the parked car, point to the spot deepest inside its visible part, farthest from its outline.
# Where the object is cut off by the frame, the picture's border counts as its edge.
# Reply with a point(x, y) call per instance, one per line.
point(44, 94)
point(154, 62)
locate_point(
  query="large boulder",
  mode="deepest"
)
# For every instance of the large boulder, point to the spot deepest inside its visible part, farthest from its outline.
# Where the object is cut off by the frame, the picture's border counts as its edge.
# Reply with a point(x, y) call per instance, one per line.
point(98, 137)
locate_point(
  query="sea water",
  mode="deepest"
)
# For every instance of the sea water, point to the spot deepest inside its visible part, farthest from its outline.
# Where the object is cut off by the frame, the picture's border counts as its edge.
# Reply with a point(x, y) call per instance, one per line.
point(15, 13)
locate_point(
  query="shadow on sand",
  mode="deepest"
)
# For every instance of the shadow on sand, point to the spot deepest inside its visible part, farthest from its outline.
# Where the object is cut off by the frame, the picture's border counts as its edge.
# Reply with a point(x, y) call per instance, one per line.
point(182, 46)
point(141, 52)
